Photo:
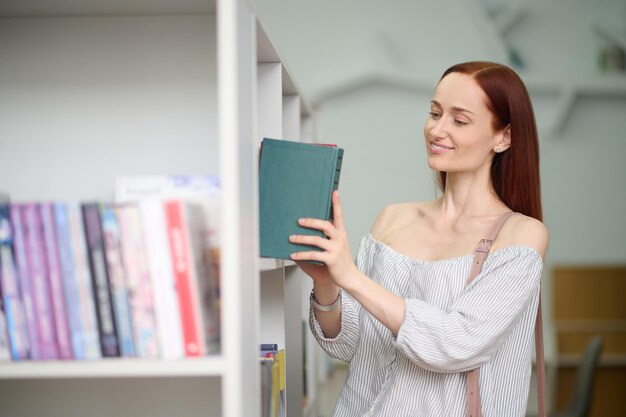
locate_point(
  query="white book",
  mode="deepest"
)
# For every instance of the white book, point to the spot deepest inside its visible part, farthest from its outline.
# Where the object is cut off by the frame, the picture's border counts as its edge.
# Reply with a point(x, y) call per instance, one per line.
point(167, 310)
point(138, 280)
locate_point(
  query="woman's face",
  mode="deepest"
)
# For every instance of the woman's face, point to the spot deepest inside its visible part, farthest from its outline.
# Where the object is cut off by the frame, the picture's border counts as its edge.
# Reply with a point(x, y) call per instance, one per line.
point(459, 131)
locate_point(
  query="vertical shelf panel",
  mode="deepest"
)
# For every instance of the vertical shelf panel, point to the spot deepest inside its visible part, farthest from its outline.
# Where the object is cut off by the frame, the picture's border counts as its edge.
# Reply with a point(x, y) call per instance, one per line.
point(236, 54)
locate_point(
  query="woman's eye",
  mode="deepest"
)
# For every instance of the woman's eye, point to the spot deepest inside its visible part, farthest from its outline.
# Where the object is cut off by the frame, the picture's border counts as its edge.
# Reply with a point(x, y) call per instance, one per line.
point(434, 115)
point(459, 122)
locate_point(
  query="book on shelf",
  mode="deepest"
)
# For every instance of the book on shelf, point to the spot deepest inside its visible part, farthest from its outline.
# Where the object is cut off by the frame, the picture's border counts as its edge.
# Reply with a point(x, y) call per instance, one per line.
point(33, 275)
point(201, 189)
point(193, 276)
point(167, 309)
point(107, 329)
point(13, 307)
point(273, 381)
point(55, 278)
point(296, 180)
point(70, 277)
point(138, 280)
point(117, 280)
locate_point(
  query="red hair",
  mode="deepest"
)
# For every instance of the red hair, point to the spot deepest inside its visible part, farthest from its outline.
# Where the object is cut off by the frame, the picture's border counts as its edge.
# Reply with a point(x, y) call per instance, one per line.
point(515, 172)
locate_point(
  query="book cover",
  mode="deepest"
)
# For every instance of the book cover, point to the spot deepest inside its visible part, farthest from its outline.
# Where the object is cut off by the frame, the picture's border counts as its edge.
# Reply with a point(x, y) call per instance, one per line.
point(55, 280)
point(37, 267)
point(295, 180)
point(69, 277)
point(117, 279)
point(193, 276)
point(166, 307)
point(109, 342)
point(13, 308)
point(138, 281)
point(86, 295)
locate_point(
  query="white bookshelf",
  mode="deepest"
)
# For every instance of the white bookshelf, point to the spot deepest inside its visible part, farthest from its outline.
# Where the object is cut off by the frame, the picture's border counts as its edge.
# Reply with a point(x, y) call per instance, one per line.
point(96, 89)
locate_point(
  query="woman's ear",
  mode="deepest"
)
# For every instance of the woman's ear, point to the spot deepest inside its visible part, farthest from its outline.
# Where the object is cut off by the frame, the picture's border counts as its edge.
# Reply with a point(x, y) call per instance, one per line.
point(504, 141)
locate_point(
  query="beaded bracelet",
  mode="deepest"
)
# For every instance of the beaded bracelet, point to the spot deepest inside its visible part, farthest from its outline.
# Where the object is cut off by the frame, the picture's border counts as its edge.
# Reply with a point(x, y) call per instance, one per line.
point(330, 307)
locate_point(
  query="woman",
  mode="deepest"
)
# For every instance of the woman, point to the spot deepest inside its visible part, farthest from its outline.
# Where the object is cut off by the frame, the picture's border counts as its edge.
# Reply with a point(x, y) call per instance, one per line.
point(404, 316)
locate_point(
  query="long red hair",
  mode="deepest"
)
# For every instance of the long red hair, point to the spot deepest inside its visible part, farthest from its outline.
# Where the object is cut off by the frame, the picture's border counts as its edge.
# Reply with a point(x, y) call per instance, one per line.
point(515, 172)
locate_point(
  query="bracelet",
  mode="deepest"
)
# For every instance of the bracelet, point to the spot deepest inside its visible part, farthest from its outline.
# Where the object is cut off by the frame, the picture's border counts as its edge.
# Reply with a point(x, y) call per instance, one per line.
point(330, 307)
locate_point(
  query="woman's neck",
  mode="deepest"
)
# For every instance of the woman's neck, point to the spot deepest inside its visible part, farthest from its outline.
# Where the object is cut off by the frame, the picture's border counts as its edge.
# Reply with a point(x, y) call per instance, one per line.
point(469, 195)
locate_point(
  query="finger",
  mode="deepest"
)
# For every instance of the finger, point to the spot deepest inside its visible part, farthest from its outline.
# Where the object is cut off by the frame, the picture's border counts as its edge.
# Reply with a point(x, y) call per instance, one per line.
point(322, 225)
point(308, 256)
point(318, 241)
point(337, 210)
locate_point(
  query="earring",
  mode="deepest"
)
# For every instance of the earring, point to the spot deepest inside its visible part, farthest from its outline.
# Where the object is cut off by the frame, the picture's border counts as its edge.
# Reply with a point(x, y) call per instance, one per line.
point(498, 150)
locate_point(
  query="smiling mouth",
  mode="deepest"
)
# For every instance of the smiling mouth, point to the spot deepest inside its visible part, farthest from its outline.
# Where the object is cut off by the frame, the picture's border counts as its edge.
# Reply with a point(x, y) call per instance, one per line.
point(436, 147)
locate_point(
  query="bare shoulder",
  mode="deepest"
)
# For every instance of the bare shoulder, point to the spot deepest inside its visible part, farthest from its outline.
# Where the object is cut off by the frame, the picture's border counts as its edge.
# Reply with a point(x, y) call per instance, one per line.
point(397, 215)
point(526, 231)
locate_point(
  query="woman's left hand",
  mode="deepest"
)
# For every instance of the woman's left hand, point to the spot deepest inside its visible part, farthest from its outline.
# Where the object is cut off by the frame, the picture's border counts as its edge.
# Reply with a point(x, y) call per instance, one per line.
point(335, 253)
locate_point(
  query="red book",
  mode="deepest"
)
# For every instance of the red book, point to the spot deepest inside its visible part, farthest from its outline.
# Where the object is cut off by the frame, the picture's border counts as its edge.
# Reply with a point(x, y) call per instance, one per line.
point(193, 277)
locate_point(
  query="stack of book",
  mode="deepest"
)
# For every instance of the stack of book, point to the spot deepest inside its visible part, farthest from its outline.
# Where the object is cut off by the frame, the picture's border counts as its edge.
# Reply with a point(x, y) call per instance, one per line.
point(130, 278)
point(273, 394)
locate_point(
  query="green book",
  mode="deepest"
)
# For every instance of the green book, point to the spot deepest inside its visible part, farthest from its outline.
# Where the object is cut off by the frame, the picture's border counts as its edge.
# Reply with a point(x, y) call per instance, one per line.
point(296, 180)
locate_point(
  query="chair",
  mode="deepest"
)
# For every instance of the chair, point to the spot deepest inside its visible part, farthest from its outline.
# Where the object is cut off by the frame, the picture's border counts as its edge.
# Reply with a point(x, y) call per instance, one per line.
point(580, 403)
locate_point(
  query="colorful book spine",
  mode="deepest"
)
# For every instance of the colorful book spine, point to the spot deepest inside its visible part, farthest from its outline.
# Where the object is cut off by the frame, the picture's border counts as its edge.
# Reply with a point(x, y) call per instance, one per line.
point(109, 342)
point(69, 277)
point(55, 280)
point(194, 281)
point(5, 349)
point(138, 281)
point(39, 276)
point(166, 307)
point(117, 278)
point(26, 287)
point(86, 294)
point(17, 330)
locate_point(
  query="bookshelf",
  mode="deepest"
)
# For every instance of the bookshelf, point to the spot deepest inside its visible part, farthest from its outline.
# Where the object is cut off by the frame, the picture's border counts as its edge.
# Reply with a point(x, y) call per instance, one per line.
point(96, 89)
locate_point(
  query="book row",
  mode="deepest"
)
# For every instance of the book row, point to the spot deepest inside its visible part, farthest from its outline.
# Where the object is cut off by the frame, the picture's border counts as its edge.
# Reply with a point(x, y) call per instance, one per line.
point(86, 280)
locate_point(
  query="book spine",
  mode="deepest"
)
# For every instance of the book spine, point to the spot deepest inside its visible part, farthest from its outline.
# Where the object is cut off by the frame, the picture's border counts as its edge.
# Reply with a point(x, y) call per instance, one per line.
point(87, 303)
point(167, 310)
point(26, 288)
point(181, 263)
point(138, 281)
point(38, 269)
point(336, 176)
point(203, 279)
point(97, 265)
point(117, 278)
point(56, 281)
point(5, 349)
point(69, 278)
point(13, 306)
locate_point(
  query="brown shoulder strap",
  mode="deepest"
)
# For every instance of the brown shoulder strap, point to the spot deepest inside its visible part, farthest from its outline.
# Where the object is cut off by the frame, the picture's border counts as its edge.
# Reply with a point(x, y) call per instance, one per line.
point(473, 387)
point(483, 247)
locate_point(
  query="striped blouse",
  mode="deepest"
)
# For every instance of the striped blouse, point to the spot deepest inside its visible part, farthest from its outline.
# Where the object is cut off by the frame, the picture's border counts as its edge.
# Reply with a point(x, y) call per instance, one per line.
point(449, 327)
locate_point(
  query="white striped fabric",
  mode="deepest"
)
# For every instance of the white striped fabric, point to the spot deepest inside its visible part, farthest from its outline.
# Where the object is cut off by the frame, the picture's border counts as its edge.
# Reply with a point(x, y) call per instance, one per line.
point(448, 328)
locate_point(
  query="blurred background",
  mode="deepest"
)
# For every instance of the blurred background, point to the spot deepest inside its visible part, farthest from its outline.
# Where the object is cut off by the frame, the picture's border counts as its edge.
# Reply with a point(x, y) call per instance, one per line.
point(369, 69)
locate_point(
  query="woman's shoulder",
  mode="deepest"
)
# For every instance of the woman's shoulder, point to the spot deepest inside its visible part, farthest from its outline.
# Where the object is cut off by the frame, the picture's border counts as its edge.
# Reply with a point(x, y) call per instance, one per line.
point(524, 231)
point(397, 215)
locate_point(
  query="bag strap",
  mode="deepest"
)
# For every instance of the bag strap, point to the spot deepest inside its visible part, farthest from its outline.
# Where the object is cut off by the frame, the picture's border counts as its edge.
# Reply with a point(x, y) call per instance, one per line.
point(473, 387)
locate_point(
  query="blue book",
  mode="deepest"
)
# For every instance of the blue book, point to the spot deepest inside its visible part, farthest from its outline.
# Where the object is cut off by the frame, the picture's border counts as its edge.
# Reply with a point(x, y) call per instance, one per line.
point(117, 280)
point(69, 278)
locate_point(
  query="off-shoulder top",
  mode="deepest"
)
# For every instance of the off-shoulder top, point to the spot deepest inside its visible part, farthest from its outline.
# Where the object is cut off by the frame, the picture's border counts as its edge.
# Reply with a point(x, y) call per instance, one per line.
point(449, 327)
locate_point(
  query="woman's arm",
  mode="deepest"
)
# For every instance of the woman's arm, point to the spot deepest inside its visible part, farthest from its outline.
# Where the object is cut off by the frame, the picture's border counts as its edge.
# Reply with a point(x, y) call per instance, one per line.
point(339, 271)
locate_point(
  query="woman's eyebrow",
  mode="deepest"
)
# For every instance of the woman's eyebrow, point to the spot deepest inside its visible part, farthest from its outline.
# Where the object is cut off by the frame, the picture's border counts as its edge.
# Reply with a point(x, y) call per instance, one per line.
point(456, 109)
